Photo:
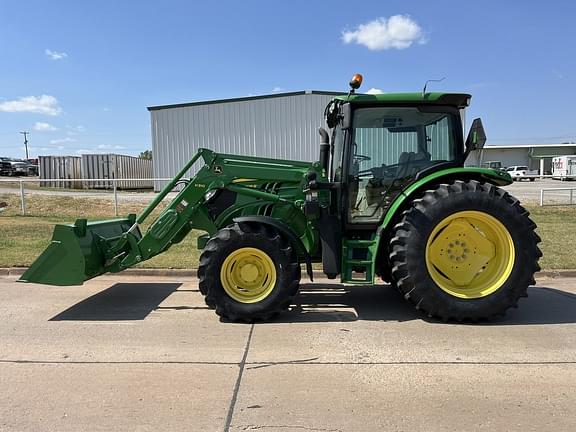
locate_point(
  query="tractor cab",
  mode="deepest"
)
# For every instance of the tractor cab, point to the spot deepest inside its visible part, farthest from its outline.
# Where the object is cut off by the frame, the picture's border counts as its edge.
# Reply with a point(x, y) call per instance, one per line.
point(380, 146)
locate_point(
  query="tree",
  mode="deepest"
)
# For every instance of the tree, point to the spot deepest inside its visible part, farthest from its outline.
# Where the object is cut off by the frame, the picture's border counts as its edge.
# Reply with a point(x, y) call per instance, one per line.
point(146, 154)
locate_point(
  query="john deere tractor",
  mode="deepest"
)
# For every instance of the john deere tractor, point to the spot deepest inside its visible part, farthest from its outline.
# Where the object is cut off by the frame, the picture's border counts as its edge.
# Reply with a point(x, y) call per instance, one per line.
point(388, 197)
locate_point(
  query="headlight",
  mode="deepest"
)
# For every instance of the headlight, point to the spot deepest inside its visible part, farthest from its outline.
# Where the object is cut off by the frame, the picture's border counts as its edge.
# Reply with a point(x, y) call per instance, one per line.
point(210, 195)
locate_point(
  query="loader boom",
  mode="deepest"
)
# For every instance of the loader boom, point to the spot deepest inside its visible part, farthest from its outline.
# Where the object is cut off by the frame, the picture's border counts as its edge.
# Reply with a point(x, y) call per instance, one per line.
point(83, 250)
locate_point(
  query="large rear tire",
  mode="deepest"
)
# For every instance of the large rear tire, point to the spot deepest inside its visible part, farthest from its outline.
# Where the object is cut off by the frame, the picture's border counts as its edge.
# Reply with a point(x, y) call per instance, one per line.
point(248, 272)
point(465, 251)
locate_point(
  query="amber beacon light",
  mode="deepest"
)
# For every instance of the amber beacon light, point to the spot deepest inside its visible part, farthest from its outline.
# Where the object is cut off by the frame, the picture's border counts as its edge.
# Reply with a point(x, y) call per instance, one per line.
point(356, 81)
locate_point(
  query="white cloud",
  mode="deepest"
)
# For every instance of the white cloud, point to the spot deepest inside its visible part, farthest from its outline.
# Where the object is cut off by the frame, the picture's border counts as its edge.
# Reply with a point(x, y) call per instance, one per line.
point(374, 90)
point(398, 31)
point(110, 147)
point(85, 151)
point(277, 89)
point(62, 140)
point(44, 127)
point(55, 55)
point(44, 104)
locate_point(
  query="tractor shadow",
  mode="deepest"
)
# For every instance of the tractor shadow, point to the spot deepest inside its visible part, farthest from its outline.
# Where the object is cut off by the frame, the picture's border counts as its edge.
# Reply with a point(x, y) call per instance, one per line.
point(122, 301)
point(339, 303)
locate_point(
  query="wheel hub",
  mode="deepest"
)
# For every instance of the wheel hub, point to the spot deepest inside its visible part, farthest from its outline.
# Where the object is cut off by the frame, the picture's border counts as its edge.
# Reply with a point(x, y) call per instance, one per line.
point(470, 254)
point(248, 275)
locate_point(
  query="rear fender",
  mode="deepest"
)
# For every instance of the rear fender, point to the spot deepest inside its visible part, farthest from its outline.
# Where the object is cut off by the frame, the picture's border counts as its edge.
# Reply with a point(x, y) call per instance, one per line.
point(403, 200)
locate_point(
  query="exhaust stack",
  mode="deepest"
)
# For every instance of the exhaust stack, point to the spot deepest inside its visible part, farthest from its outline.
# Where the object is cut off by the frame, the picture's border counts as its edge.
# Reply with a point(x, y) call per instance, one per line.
point(324, 149)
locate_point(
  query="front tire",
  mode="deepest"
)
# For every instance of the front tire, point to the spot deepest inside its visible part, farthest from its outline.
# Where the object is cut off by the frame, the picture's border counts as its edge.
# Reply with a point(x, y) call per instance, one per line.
point(248, 272)
point(465, 251)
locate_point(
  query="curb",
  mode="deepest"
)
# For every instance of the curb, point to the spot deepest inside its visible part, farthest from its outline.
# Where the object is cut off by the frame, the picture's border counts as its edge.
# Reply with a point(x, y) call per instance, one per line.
point(556, 274)
point(18, 271)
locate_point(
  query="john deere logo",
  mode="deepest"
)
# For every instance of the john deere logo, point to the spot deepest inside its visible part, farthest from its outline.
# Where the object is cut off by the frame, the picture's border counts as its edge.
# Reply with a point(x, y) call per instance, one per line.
point(217, 169)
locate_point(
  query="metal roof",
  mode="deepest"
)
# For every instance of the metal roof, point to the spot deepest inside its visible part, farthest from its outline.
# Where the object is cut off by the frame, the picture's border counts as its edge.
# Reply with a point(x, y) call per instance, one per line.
point(517, 146)
point(247, 98)
point(460, 99)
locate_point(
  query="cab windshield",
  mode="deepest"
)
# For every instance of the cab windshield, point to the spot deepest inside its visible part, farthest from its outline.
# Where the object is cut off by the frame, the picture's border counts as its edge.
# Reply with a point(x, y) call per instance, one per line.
point(389, 146)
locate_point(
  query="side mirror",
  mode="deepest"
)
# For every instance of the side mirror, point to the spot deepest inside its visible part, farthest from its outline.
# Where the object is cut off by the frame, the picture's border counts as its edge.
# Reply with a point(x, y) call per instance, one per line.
point(346, 111)
point(476, 136)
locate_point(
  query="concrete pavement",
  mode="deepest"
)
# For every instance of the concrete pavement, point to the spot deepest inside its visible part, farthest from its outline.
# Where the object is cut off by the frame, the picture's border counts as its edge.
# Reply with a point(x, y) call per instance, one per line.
point(144, 353)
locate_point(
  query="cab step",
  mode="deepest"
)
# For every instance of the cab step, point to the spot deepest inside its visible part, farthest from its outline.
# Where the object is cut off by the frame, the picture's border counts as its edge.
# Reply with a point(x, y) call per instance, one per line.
point(358, 261)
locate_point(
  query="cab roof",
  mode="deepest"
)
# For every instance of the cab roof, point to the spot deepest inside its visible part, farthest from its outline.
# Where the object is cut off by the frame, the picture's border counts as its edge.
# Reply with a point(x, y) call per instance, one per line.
point(461, 100)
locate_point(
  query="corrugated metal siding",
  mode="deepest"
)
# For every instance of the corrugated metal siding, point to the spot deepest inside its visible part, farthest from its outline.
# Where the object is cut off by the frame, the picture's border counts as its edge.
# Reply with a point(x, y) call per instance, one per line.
point(385, 147)
point(60, 167)
point(281, 127)
point(112, 166)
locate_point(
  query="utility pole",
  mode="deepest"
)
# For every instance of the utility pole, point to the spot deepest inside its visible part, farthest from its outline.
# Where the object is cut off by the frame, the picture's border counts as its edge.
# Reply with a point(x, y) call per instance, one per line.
point(25, 142)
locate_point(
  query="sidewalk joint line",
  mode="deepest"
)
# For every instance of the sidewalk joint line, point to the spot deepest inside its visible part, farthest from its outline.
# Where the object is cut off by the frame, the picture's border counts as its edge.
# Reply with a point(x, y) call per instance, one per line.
point(238, 382)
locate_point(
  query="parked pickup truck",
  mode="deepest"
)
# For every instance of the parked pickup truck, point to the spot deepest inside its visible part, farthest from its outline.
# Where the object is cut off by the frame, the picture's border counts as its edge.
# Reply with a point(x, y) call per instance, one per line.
point(17, 167)
point(5, 167)
point(519, 173)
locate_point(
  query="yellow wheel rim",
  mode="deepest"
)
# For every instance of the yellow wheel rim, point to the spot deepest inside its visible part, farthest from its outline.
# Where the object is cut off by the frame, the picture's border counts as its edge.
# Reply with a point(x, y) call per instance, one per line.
point(248, 275)
point(470, 254)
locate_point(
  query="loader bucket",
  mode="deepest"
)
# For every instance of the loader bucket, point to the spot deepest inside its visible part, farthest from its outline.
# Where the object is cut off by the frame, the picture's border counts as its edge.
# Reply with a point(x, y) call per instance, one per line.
point(77, 252)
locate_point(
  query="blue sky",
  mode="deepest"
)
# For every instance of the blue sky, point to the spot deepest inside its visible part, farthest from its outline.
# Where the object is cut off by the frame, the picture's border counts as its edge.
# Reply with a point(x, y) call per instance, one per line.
point(79, 75)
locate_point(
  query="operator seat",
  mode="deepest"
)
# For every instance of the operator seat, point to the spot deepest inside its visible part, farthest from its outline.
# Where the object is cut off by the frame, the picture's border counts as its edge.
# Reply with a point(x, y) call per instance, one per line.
point(409, 163)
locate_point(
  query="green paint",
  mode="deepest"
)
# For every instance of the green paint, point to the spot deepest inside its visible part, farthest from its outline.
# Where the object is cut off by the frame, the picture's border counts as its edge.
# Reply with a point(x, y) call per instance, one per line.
point(496, 177)
point(459, 99)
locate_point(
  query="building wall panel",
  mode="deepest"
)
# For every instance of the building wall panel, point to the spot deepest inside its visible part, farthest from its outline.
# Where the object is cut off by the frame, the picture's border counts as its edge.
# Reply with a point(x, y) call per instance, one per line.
point(113, 166)
point(283, 127)
point(62, 168)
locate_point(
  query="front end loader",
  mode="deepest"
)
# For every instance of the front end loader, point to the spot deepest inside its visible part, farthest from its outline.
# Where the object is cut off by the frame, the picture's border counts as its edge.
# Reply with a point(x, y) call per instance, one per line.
point(389, 197)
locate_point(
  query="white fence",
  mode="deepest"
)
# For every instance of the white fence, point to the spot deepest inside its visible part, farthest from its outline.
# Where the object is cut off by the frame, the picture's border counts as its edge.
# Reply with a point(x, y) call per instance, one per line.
point(570, 195)
point(556, 191)
point(114, 182)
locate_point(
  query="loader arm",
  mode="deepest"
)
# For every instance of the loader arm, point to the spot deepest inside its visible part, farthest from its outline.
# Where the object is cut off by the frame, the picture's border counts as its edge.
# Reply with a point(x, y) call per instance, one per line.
point(83, 250)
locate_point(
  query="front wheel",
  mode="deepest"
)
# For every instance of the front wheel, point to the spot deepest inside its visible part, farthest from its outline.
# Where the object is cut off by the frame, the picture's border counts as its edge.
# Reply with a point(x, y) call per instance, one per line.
point(248, 272)
point(465, 251)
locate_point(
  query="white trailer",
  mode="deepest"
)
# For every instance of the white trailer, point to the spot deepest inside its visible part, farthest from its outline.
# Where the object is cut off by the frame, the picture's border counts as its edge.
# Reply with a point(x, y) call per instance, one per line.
point(564, 167)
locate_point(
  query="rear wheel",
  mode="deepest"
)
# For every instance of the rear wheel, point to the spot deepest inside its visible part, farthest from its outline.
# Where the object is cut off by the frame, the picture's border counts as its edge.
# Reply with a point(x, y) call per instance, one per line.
point(465, 251)
point(248, 272)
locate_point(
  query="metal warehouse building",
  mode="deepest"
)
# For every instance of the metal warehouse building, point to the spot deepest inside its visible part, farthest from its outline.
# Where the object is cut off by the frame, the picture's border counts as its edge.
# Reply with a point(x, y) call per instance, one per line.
point(281, 125)
point(534, 156)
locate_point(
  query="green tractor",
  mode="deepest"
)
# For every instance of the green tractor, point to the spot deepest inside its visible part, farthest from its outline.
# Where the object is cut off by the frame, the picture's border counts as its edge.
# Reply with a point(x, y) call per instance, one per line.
point(388, 197)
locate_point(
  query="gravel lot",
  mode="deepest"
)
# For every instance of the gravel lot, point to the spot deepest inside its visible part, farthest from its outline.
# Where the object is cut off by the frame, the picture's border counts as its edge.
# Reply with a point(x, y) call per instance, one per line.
point(129, 353)
point(528, 192)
